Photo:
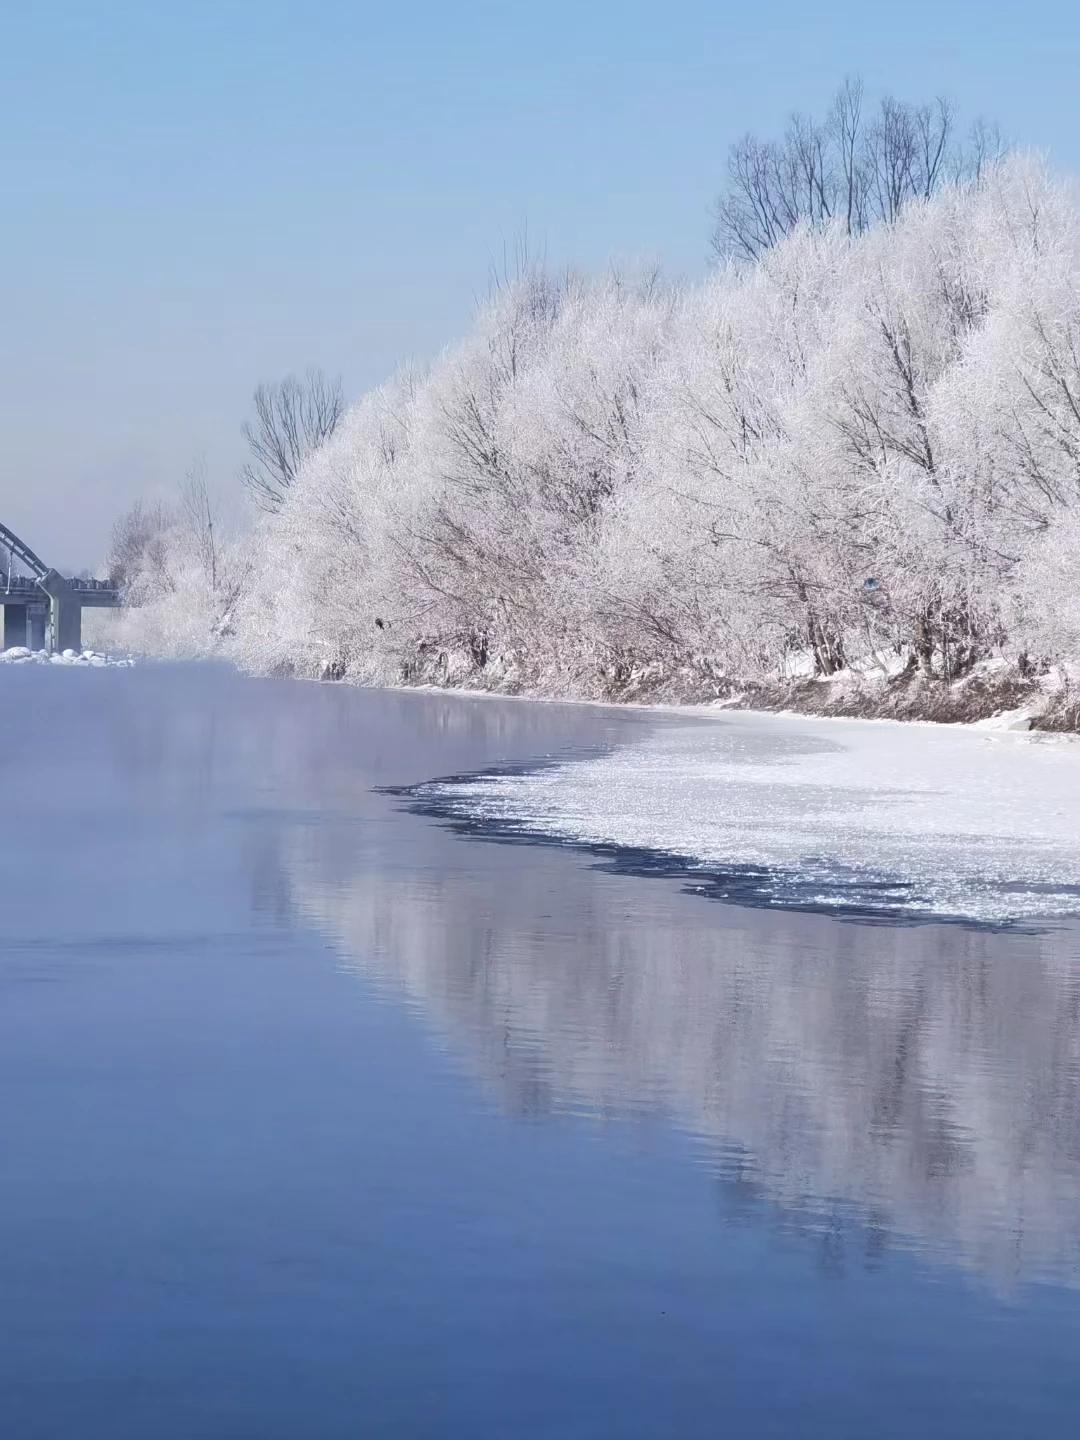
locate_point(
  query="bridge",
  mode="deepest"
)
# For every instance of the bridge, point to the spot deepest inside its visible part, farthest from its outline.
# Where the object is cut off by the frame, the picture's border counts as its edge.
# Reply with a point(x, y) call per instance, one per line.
point(42, 608)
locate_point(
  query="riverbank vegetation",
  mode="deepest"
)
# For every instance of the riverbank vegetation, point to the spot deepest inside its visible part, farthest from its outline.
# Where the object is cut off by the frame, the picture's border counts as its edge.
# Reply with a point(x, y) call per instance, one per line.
point(843, 471)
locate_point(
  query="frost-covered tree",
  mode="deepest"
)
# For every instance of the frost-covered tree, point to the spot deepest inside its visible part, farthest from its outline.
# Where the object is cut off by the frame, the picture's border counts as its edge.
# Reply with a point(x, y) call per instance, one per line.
point(180, 574)
point(861, 449)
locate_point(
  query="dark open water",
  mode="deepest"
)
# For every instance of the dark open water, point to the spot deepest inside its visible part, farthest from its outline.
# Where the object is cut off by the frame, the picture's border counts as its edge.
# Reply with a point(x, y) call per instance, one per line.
point(318, 1120)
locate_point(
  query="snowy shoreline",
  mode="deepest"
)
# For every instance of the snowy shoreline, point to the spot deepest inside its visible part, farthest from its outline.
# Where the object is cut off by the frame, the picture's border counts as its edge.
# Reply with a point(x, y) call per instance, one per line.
point(87, 659)
point(1018, 719)
point(1038, 712)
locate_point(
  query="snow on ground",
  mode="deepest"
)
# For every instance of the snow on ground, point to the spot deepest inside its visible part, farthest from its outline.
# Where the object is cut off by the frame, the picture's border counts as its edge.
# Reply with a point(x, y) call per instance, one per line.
point(19, 655)
point(866, 816)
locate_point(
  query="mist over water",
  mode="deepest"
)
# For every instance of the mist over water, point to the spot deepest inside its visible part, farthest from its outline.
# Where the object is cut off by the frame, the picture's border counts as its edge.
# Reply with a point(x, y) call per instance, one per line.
point(321, 1115)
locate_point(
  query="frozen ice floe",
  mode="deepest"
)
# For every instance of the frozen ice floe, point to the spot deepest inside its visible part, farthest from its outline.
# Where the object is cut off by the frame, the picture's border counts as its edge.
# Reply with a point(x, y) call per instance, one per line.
point(860, 816)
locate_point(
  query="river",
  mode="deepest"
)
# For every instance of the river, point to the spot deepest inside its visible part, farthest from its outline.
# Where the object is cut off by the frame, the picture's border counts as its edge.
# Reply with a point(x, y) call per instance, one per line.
point(323, 1117)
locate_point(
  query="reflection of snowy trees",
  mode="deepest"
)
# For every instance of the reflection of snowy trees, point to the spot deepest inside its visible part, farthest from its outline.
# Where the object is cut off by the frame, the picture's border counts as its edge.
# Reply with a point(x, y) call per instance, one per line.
point(857, 446)
point(924, 1077)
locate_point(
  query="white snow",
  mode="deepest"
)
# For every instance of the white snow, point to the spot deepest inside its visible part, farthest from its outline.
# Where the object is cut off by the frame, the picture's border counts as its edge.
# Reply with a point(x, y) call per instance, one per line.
point(879, 816)
point(20, 655)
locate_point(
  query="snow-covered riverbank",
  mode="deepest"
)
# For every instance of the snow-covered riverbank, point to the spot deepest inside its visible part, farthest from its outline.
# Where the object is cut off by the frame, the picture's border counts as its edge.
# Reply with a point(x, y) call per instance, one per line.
point(864, 816)
point(19, 655)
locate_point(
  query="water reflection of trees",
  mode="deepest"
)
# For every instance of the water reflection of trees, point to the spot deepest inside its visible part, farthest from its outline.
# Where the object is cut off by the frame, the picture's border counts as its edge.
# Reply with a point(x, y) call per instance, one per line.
point(925, 1078)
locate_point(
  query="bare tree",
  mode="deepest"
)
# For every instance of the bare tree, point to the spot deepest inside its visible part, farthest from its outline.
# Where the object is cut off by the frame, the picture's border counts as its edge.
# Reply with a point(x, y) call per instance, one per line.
point(292, 419)
point(856, 168)
point(845, 129)
point(985, 147)
point(197, 511)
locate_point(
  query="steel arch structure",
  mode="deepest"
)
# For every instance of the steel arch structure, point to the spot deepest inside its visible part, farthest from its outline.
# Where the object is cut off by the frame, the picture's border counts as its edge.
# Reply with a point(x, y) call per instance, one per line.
point(22, 552)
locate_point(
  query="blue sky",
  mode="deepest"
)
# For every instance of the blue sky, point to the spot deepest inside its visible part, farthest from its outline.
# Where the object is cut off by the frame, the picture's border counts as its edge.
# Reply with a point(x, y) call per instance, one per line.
point(198, 196)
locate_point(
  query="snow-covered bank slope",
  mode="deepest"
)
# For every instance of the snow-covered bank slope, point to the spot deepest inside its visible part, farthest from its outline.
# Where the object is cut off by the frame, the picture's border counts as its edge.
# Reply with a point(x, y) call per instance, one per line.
point(861, 815)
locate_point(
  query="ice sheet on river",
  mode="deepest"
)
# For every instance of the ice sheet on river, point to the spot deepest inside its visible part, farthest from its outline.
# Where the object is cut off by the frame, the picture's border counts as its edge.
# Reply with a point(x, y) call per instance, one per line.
point(864, 816)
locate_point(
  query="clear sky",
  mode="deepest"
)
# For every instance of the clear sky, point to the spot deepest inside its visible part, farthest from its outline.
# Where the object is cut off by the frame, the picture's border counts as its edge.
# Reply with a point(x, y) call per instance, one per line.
point(197, 196)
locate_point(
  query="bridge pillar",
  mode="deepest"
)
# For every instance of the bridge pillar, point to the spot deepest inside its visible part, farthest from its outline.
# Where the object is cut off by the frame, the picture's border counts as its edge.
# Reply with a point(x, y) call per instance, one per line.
point(66, 623)
point(15, 617)
point(65, 612)
point(39, 625)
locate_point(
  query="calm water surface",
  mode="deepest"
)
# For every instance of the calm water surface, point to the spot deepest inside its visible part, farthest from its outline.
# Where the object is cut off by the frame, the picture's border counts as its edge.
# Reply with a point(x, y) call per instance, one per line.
point(318, 1120)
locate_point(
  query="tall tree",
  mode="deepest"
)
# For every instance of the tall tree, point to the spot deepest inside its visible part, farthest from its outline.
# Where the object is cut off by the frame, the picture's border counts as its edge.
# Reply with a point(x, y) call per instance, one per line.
point(855, 167)
point(292, 419)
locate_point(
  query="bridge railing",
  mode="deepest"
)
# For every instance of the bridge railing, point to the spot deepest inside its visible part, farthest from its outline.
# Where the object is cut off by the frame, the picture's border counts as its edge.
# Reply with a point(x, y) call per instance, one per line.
point(27, 585)
point(93, 585)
